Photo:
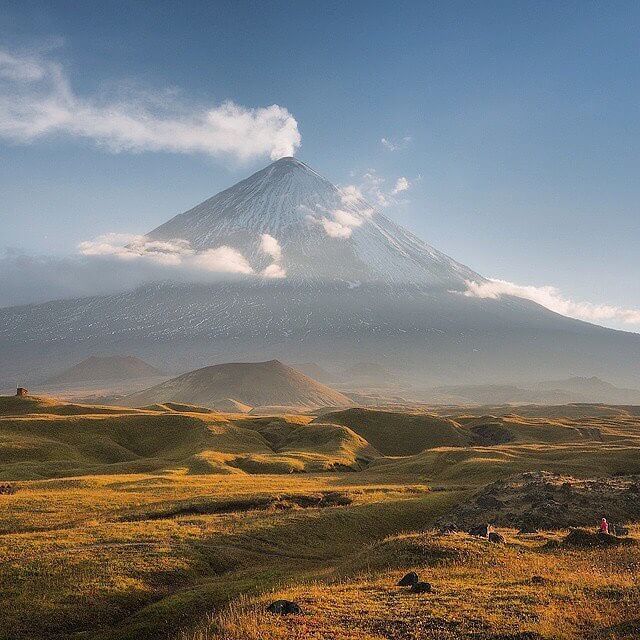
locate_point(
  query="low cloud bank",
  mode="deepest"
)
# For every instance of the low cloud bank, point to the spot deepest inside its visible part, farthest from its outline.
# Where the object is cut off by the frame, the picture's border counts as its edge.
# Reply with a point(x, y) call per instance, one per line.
point(37, 100)
point(26, 279)
point(168, 253)
point(116, 262)
point(551, 298)
point(179, 253)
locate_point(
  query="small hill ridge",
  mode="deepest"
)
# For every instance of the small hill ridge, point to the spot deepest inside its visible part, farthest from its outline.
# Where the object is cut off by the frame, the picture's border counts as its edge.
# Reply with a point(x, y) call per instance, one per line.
point(105, 368)
point(400, 434)
point(250, 384)
point(44, 438)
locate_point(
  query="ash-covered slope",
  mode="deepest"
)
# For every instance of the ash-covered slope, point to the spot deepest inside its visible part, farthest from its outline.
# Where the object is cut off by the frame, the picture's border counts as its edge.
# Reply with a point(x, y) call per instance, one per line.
point(379, 295)
point(288, 200)
point(251, 383)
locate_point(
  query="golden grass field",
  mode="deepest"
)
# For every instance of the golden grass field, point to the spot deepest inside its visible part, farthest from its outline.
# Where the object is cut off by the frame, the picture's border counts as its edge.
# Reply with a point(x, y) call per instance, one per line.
point(157, 523)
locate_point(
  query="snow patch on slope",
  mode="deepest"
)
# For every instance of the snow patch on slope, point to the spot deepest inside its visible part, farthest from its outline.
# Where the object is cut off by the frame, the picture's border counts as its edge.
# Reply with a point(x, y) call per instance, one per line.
point(324, 233)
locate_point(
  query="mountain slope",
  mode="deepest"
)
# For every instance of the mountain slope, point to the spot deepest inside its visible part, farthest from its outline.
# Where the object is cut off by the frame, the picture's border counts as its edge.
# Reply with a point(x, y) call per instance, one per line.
point(592, 390)
point(251, 383)
point(105, 368)
point(288, 200)
point(378, 295)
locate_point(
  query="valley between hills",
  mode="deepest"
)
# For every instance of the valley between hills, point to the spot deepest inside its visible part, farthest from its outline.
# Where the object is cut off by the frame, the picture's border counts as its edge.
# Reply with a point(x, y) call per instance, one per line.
point(183, 522)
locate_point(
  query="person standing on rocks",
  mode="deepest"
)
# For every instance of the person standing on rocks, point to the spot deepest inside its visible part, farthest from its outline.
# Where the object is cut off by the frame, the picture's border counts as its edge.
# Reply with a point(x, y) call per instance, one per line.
point(604, 526)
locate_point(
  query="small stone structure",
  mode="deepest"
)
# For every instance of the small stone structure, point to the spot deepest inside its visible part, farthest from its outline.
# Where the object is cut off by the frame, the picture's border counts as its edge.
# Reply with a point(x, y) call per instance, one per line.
point(21, 391)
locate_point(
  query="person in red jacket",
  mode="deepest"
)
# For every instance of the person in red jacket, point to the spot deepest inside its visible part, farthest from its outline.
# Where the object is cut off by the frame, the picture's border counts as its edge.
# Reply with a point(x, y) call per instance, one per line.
point(604, 526)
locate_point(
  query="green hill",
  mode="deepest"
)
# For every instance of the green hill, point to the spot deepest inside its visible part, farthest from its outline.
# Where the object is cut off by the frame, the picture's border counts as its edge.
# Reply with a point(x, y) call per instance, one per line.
point(41, 438)
point(398, 433)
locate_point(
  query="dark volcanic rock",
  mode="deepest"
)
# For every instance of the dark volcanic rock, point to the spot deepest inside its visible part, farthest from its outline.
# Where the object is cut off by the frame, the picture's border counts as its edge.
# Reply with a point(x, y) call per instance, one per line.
point(284, 607)
point(496, 537)
point(481, 530)
point(588, 539)
point(409, 579)
point(537, 501)
point(448, 528)
point(421, 587)
point(618, 530)
point(527, 526)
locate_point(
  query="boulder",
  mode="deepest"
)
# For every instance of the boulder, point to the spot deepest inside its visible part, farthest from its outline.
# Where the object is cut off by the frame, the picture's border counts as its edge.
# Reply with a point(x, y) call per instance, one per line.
point(528, 527)
point(481, 530)
point(421, 587)
point(586, 539)
point(537, 580)
point(409, 579)
point(496, 537)
point(448, 528)
point(618, 530)
point(284, 608)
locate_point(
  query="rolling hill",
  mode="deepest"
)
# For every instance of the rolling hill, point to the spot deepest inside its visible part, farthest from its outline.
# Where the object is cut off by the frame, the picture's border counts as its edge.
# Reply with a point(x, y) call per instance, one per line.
point(46, 438)
point(399, 433)
point(254, 384)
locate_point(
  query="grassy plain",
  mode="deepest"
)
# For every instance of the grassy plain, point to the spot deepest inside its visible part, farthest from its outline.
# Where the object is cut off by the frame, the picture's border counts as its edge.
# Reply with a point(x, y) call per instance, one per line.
point(156, 524)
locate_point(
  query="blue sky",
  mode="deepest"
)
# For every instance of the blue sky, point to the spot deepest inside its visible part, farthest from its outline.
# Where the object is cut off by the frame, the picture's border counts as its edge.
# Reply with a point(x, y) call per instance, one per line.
point(522, 122)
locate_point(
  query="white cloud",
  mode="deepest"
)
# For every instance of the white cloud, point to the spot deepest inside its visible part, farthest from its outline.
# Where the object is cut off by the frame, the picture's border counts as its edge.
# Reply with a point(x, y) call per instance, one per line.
point(37, 100)
point(332, 228)
point(402, 184)
point(274, 270)
point(335, 229)
point(220, 260)
point(345, 218)
point(351, 195)
point(372, 189)
point(132, 247)
point(551, 298)
point(341, 223)
point(19, 70)
point(169, 253)
point(395, 144)
point(270, 246)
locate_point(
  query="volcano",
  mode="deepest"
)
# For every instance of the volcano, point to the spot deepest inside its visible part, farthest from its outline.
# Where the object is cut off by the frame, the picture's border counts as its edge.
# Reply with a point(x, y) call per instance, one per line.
point(302, 210)
point(354, 287)
point(250, 383)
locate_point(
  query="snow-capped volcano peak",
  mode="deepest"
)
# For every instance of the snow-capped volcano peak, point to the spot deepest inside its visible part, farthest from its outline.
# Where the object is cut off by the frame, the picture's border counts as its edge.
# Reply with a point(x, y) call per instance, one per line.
point(323, 232)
